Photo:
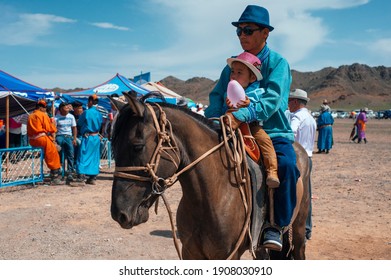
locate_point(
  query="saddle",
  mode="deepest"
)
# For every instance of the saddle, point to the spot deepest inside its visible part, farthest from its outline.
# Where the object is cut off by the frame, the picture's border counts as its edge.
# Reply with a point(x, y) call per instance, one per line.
point(251, 145)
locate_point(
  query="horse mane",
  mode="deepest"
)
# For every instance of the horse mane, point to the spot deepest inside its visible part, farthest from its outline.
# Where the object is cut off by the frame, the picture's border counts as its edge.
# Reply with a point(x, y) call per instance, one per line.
point(158, 95)
point(126, 113)
point(194, 115)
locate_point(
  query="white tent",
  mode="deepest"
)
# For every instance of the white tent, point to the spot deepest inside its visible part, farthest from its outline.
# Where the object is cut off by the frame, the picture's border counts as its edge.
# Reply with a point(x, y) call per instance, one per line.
point(162, 89)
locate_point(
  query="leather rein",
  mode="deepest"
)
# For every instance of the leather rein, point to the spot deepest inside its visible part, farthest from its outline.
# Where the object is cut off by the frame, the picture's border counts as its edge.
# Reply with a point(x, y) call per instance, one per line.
point(166, 142)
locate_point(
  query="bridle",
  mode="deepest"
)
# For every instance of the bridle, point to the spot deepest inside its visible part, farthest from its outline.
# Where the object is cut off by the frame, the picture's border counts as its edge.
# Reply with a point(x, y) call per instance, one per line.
point(166, 143)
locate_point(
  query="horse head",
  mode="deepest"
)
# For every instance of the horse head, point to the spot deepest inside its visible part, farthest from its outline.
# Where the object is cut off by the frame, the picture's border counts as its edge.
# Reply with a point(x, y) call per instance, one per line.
point(144, 154)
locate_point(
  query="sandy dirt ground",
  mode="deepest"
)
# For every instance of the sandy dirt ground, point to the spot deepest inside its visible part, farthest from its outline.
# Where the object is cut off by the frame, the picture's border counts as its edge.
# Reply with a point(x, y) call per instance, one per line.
point(351, 212)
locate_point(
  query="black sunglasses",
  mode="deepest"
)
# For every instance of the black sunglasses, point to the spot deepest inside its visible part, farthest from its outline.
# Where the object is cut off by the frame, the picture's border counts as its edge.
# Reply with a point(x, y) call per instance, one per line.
point(246, 30)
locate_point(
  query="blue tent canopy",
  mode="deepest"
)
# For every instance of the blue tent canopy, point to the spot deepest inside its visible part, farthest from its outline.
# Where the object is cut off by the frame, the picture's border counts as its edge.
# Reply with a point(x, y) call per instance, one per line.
point(23, 96)
point(117, 85)
point(11, 83)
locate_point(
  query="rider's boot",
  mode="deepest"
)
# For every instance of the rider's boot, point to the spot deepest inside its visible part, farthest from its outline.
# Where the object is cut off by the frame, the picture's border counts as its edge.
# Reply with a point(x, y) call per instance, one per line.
point(270, 162)
point(272, 238)
point(268, 154)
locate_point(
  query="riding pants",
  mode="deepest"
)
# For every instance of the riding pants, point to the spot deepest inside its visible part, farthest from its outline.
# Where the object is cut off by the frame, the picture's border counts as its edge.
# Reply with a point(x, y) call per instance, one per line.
point(288, 174)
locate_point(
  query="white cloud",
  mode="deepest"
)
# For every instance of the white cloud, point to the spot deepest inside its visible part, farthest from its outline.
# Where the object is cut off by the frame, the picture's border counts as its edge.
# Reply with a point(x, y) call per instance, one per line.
point(382, 46)
point(205, 36)
point(28, 28)
point(201, 38)
point(107, 25)
point(44, 19)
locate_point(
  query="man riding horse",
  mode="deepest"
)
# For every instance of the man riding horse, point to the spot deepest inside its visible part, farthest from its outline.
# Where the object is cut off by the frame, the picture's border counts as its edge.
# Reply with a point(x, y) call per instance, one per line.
point(253, 29)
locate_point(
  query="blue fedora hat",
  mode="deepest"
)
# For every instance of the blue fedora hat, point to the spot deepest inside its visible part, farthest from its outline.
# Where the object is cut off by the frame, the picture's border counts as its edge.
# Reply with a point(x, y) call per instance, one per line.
point(254, 14)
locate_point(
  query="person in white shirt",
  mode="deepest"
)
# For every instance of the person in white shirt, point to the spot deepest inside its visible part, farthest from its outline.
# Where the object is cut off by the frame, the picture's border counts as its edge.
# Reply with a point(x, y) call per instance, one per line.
point(304, 128)
point(66, 136)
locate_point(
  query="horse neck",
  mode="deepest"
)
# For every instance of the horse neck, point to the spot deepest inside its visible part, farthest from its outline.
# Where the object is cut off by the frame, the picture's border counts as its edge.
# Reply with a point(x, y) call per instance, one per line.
point(193, 138)
point(207, 184)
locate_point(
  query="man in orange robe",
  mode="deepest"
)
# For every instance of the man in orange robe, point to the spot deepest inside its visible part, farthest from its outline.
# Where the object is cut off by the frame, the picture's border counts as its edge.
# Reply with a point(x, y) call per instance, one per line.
point(40, 130)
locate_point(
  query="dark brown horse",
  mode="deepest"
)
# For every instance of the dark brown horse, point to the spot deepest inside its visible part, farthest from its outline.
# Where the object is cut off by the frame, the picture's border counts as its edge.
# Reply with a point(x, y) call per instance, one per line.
point(152, 144)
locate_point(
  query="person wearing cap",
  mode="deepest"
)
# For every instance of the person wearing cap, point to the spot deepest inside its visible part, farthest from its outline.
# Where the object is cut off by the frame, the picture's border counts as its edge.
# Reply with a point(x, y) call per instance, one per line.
point(361, 125)
point(253, 29)
point(304, 129)
point(66, 137)
point(325, 123)
point(90, 123)
point(245, 70)
point(326, 104)
point(40, 131)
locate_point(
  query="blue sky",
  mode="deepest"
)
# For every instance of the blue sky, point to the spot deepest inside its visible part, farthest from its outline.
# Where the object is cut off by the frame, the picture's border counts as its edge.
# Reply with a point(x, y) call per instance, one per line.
point(83, 43)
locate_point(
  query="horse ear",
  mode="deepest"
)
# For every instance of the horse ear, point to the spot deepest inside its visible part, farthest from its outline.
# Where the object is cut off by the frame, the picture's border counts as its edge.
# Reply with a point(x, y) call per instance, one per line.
point(117, 102)
point(136, 106)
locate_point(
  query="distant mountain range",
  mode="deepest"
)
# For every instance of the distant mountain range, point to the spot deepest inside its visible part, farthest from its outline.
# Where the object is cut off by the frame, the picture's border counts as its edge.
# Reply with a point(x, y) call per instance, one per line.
point(347, 87)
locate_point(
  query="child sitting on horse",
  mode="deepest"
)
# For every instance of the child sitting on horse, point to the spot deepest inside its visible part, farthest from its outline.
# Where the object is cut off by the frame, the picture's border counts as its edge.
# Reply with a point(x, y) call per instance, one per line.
point(245, 69)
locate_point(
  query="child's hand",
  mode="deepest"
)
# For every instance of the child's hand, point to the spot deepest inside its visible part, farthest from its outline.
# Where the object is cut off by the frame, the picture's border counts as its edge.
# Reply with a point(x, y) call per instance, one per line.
point(243, 103)
point(229, 104)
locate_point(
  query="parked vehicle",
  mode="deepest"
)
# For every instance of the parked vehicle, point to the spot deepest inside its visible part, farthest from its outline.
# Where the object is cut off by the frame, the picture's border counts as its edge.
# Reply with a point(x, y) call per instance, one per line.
point(379, 114)
point(371, 114)
point(342, 114)
point(387, 114)
point(315, 114)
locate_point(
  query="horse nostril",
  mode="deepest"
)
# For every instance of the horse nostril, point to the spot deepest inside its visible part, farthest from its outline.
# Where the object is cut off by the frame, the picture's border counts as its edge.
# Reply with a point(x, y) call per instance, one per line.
point(123, 218)
point(118, 216)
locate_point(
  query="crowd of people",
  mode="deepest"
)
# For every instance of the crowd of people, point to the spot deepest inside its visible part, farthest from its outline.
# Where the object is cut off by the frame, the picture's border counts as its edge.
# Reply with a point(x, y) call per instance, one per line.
point(70, 138)
point(67, 142)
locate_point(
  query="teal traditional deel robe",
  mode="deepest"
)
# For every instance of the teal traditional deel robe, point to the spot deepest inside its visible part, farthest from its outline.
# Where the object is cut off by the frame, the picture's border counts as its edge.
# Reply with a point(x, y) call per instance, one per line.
point(88, 160)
